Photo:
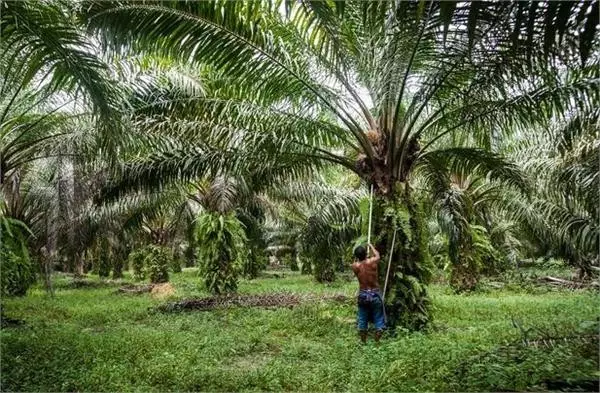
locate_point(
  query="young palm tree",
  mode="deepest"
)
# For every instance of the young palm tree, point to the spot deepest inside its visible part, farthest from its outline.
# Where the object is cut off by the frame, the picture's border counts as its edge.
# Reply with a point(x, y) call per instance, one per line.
point(373, 86)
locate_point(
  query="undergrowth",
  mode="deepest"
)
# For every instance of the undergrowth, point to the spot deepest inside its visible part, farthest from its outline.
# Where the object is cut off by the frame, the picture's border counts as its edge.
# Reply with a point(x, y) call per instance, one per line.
point(92, 339)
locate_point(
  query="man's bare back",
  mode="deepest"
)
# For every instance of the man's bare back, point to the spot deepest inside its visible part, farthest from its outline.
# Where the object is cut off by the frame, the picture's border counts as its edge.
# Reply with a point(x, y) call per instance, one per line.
point(366, 271)
point(369, 301)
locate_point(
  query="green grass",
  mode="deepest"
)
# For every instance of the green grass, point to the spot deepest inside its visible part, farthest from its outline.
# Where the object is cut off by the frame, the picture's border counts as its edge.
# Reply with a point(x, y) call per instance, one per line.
point(96, 340)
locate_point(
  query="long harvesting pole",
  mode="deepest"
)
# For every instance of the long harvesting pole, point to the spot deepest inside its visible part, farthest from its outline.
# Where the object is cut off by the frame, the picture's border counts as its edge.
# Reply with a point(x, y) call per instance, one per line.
point(370, 215)
point(387, 275)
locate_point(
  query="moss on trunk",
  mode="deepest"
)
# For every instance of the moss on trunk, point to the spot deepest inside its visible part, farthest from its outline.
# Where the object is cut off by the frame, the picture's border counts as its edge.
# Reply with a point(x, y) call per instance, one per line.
point(406, 300)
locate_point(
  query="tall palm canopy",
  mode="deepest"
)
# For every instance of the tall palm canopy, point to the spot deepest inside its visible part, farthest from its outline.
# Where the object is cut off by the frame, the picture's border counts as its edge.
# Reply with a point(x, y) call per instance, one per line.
point(42, 44)
point(383, 83)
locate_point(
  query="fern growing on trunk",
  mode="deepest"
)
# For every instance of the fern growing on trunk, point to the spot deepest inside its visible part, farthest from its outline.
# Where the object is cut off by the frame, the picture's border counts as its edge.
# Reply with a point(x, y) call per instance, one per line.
point(407, 301)
point(221, 250)
point(157, 262)
point(136, 260)
point(15, 262)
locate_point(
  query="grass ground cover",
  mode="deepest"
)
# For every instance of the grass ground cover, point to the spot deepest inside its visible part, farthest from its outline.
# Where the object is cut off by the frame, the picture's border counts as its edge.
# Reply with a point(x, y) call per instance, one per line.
point(92, 339)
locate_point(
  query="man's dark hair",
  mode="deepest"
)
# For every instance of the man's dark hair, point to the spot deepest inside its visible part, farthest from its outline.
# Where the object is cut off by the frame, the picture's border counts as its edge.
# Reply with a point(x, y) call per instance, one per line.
point(360, 253)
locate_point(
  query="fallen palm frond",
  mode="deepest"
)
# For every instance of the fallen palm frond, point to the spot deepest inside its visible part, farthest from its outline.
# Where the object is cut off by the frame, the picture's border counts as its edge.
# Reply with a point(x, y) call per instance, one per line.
point(6, 322)
point(518, 351)
point(272, 300)
point(551, 342)
point(83, 283)
point(560, 282)
point(135, 289)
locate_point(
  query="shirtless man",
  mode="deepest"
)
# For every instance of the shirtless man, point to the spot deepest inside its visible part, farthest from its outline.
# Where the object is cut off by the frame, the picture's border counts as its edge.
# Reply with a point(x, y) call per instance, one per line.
point(370, 306)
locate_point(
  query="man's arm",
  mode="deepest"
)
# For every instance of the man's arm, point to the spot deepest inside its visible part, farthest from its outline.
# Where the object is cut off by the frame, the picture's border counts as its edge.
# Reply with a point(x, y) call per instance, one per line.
point(375, 258)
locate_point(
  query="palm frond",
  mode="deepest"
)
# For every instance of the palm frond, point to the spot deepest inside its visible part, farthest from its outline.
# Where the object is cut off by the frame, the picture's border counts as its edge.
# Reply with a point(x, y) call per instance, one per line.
point(440, 164)
point(564, 232)
point(233, 46)
point(41, 39)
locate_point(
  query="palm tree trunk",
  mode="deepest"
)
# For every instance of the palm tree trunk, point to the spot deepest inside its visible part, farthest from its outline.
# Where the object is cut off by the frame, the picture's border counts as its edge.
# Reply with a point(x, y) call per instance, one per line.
point(118, 263)
point(78, 200)
point(406, 300)
point(306, 266)
point(79, 264)
point(294, 260)
point(190, 251)
point(66, 232)
point(49, 251)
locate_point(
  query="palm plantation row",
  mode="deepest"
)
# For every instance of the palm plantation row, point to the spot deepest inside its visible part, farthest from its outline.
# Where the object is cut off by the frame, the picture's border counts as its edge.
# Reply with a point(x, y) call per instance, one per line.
point(209, 133)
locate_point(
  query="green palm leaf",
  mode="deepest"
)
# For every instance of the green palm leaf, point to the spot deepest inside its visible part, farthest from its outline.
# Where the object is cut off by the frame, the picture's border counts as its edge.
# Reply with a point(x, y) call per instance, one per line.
point(41, 39)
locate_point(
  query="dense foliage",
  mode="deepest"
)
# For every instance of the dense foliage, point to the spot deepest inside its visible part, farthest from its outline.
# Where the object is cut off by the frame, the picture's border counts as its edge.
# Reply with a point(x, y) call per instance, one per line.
point(137, 136)
point(221, 250)
point(15, 261)
point(136, 261)
point(157, 262)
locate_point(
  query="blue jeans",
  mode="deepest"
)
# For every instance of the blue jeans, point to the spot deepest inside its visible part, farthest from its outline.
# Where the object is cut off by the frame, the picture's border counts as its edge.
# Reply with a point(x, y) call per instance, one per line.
point(370, 309)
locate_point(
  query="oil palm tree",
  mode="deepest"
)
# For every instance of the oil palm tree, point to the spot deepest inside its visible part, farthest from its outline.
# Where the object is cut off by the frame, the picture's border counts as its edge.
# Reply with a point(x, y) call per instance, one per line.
point(317, 221)
point(561, 218)
point(50, 75)
point(372, 86)
point(37, 138)
point(462, 204)
point(158, 219)
point(49, 144)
